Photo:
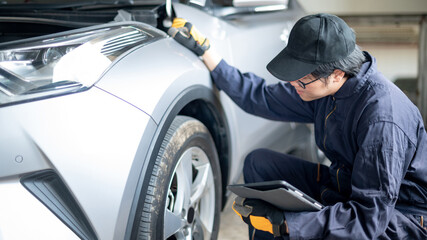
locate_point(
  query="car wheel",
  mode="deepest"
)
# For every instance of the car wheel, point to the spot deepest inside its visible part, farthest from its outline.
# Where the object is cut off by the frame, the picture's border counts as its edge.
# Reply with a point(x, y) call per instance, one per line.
point(183, 199)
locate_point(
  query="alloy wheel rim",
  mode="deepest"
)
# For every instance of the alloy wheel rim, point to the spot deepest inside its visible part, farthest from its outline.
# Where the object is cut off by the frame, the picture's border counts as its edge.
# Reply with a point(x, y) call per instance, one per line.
point(191, 194)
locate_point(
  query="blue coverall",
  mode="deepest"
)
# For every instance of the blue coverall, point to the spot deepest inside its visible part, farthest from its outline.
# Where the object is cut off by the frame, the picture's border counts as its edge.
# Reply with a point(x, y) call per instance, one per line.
point(373, 135)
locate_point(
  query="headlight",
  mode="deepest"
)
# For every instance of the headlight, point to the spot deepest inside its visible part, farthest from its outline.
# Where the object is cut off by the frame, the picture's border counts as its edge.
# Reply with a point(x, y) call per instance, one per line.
point(64, 63)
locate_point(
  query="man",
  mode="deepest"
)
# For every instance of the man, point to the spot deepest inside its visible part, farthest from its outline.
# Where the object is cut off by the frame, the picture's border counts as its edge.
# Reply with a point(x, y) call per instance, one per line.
point(376, 186)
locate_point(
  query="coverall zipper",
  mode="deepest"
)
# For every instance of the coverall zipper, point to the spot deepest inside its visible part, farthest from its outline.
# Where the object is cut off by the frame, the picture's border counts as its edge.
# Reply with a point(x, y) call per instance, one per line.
point(338, 179)
point(326, 120)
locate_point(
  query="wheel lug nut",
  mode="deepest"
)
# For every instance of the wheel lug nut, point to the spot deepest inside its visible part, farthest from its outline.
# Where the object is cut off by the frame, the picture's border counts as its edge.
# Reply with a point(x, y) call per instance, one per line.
point(190, 215)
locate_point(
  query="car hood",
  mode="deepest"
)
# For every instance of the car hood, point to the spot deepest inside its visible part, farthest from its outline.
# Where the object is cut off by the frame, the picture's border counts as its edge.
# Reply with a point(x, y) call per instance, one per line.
point(66, 15)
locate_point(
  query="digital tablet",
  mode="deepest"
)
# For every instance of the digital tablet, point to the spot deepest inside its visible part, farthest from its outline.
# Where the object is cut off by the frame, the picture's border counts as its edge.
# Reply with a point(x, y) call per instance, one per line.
point(279, 193)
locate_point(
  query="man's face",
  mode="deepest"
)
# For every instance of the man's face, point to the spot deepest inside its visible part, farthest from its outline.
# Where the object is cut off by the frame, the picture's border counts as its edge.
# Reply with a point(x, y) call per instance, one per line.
point(310, 88)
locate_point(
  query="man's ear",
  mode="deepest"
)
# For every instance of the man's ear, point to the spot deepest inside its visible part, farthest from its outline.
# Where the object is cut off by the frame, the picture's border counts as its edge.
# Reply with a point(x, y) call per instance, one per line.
point(337, 75)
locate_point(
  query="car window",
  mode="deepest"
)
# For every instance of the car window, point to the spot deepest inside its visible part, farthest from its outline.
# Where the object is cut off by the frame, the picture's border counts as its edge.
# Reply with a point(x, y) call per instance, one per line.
point(236, 8)
point(198, 2)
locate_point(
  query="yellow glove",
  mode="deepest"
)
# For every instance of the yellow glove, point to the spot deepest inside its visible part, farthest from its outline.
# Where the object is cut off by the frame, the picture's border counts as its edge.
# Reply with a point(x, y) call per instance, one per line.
point(261, 215)
point(186, 34)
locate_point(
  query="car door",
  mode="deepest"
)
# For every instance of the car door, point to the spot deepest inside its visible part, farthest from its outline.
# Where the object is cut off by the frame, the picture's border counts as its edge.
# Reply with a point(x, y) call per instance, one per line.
point(248, 40)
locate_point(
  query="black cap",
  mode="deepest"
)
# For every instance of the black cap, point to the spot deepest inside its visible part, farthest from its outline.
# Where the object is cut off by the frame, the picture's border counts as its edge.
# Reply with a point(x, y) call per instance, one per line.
point(314, 40)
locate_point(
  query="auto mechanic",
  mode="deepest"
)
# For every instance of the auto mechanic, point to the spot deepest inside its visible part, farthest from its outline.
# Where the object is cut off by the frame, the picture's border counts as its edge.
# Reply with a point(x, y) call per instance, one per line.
point(376, 185)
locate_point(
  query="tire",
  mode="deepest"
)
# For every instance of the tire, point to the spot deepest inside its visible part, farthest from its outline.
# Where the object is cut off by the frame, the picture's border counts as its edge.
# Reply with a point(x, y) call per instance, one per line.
point(183, 196)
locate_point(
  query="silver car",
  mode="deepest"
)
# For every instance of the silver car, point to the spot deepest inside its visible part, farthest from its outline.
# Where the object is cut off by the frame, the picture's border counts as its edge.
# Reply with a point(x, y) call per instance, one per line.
point(112, 130)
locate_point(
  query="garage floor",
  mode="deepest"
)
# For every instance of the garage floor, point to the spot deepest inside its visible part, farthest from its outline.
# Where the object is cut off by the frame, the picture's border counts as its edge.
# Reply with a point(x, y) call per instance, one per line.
point(232, 227)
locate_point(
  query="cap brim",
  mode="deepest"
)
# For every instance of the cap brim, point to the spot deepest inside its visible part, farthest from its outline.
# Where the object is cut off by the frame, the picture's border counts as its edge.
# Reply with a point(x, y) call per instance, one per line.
point(287, 68)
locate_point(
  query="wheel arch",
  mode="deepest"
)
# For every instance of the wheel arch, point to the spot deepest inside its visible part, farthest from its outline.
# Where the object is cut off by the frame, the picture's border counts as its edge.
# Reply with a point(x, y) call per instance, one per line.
point(213, 118)
point(201, 103)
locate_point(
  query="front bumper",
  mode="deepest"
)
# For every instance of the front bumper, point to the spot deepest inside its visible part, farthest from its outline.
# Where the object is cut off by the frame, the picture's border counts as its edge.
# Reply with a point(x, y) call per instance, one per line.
point(89, 140)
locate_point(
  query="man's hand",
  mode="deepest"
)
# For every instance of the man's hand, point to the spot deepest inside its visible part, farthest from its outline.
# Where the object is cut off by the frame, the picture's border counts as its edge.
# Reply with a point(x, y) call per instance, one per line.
point(186, 34)
point(261, 215)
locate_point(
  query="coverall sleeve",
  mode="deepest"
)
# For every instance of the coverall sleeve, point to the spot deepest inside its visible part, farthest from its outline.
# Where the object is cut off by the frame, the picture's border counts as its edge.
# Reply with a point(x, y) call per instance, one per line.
point(250, 92)
point(376, 177)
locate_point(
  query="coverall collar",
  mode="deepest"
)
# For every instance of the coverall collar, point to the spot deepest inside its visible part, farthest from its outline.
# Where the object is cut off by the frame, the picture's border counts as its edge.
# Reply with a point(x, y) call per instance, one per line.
point(354, 84)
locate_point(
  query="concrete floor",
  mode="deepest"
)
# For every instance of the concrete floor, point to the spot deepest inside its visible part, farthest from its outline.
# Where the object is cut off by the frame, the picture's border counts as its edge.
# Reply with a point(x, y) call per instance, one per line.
point(232, 227)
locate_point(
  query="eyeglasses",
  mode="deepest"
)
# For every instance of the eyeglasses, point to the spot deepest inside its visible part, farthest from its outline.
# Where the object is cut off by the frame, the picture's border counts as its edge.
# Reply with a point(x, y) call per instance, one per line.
point(305, 84)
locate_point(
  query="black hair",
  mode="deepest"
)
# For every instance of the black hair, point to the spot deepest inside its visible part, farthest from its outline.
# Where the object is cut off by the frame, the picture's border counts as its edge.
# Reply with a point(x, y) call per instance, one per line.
point(349, 65)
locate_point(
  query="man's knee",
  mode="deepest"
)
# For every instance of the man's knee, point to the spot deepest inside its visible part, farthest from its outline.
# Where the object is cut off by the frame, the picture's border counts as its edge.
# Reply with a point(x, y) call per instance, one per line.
point(253, 164)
